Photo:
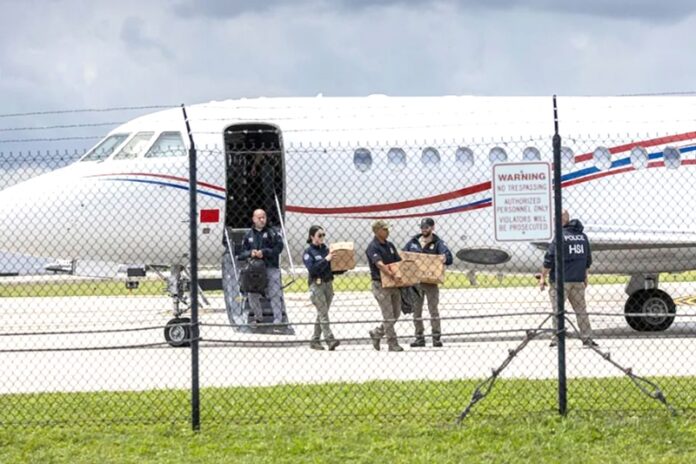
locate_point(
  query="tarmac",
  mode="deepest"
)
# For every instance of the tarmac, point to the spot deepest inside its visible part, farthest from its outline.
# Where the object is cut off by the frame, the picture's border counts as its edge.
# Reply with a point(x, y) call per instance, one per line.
point(116, 343)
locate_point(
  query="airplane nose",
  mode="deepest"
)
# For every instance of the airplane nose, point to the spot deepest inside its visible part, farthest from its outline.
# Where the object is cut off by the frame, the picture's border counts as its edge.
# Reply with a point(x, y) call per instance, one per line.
point(13, 217)
point(29, 217)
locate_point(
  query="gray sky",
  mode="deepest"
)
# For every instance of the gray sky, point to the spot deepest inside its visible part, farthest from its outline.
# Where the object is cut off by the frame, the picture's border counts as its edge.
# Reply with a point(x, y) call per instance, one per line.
point(64, 54)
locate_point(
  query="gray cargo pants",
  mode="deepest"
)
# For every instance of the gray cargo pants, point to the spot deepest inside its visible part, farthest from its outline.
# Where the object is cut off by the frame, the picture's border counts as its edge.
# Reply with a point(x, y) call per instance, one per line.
point(389, 300)
point(432, 292)
point(321, 296)
point(274, 292)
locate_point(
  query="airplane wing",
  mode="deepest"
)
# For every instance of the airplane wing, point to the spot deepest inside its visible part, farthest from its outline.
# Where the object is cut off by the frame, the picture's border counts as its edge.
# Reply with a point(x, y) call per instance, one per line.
point(617, 238)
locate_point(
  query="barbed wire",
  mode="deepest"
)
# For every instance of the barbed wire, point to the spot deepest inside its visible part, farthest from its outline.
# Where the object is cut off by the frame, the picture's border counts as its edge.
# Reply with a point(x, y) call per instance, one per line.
point(88, 110)
point(61, 126)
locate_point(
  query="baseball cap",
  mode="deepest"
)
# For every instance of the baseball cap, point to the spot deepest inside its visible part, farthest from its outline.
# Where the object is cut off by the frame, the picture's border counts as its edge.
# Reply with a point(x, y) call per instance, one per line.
point(427, 222)
point(379, 224)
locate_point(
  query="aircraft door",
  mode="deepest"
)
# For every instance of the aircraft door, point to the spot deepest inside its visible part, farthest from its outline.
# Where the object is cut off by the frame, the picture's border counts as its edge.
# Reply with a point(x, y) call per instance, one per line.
point(255, 179)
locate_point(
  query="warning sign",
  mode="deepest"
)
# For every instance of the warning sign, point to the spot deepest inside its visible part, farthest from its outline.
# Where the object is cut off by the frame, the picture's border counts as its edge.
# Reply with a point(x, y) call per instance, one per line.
point(522, 201)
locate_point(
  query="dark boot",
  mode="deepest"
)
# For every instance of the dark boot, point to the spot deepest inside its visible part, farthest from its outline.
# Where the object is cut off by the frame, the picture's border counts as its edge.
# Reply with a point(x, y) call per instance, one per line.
point(437, 343)
point(316, 346)
point(419, 343)
point(333, 344)
point(375, 339)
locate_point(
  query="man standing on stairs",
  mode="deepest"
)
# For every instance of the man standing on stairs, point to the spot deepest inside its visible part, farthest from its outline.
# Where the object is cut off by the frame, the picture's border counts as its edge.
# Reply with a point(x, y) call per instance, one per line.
point(262, 242)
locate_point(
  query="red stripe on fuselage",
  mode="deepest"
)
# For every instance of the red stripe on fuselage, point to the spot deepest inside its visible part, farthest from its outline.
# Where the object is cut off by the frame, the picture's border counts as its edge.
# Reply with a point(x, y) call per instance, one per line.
point(163, 176)
point(644, 144)
point(393, 206)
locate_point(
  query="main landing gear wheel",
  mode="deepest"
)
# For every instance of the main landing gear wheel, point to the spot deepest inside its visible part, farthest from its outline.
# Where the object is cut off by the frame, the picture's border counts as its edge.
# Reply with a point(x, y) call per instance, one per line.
point(178, 332)
point(656, 304)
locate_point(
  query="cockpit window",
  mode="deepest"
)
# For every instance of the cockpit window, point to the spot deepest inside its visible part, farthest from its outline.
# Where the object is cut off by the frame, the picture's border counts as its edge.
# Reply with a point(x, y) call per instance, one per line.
point(135, 146)
point(105, 148)
point(168, 144)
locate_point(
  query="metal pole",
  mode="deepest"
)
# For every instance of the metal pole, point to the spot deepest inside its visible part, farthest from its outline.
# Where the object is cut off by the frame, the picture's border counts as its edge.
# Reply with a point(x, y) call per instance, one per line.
point(193, 260)
point(285, 236)
point(560, 277)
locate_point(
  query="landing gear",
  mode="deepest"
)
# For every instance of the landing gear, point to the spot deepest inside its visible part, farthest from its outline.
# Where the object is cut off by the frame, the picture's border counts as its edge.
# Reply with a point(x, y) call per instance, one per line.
point(178, 332)
point(648, 309)
point(651, 310)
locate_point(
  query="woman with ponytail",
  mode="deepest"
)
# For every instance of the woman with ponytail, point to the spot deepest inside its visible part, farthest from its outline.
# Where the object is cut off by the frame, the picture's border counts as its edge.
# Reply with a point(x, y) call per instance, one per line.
point(317, 259)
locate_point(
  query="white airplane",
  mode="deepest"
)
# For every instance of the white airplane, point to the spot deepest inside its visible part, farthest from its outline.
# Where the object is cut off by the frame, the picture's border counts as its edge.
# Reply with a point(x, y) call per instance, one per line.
point(343, 162)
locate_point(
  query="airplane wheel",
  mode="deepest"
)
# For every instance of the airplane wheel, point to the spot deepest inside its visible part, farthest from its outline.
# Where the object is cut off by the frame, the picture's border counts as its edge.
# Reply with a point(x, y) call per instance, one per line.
point(658, 304)
point(177, 332)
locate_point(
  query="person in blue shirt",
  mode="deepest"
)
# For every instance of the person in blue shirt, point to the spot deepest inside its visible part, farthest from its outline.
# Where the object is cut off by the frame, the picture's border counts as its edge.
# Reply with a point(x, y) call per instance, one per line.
point(577, 259)
point(317, 260)
point(380, 253)
point(428, 242)
point(262, 242)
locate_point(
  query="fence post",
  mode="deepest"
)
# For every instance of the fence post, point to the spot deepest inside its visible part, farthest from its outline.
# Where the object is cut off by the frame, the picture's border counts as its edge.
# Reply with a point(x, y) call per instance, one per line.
point(193, 260)
point(559, 277)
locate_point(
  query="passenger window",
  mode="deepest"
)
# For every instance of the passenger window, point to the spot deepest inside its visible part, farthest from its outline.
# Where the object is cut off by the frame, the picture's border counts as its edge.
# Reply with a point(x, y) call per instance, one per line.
point(567, 158)
point(531, 154)
point(167, 145)
point(397, 157)
point(135, 146)
point(602, 158)
point(497, 155)
point(362, 159)
point(464, 156)
point(672, 157)
point(430, 156)
point(105, 148)
point(639, 158)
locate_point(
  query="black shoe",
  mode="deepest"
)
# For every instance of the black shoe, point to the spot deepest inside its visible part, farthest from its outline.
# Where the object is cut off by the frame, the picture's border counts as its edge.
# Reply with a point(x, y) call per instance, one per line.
point(395, 348)
point(316, 346)
point(437, 343)
point(419, 343)
point(375, 340)
point(589, 343)
point(554, 343)
point(333, 344)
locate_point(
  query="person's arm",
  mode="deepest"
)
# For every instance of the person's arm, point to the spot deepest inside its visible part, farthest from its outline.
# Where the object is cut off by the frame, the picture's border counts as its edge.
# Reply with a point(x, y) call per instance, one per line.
point(276, 247)
point(246, 249)
point(544, 275)
point(445, 251)
point(376, 259)
point(589, 263)
point(387, 270)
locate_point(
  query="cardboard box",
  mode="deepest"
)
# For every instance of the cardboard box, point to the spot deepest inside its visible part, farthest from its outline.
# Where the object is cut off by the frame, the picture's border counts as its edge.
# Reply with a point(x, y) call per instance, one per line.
point(431, 269)
point(344, 256)
point(408, 270)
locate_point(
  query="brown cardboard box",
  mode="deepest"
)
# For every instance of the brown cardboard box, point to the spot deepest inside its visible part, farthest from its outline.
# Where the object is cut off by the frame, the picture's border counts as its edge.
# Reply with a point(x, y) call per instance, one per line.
point(431, 269)
point(408, 270)
point(344, 256)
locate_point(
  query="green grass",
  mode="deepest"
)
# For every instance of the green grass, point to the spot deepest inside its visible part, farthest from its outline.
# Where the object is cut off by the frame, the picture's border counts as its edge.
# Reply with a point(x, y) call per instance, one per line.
point(374, 421)
point(346, 282)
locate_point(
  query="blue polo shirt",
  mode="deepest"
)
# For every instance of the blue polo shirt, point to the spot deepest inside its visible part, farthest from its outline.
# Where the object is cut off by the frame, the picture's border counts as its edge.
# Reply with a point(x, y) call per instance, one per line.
point(385, 252)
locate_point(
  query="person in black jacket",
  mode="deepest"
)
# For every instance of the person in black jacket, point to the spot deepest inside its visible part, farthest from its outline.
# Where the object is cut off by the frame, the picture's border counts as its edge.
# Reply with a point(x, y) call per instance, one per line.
point(262, 242)
point(317, 260)
point(577, 259)
point(428, 242)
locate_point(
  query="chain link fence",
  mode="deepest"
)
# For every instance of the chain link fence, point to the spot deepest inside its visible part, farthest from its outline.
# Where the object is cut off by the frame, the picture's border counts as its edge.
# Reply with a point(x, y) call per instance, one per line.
point(96, 281)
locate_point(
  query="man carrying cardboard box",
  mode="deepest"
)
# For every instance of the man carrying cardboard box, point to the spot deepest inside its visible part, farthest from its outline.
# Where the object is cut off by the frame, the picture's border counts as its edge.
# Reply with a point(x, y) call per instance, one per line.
point(429, 243)
point(380, 254)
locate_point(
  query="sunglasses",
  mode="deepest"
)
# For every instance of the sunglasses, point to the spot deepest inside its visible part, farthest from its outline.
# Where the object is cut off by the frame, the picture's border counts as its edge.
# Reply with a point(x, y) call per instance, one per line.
point(321, 235)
